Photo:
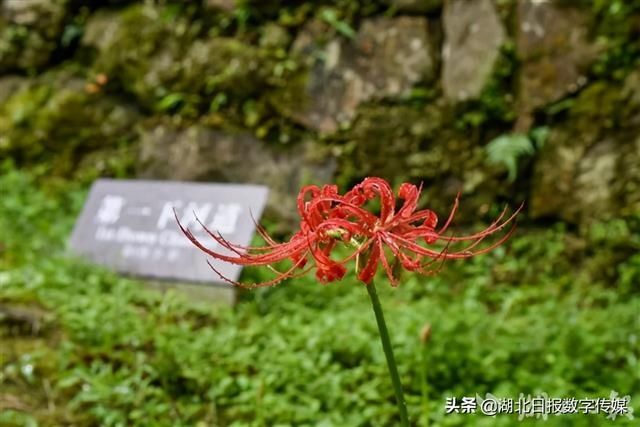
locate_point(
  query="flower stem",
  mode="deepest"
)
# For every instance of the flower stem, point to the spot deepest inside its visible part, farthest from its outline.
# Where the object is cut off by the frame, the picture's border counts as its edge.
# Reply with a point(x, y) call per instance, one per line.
point(388, 352)
point(425, 387)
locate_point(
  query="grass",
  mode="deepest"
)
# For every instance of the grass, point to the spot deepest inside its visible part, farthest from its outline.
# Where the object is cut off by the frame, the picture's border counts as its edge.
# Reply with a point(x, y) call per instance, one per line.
point(83, 346)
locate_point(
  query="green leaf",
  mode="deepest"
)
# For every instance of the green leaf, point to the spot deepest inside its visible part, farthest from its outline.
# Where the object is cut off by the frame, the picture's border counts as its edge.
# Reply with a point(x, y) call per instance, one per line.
point(170, 102)
point(505, 150)
point(331, 18)
point(539, 135)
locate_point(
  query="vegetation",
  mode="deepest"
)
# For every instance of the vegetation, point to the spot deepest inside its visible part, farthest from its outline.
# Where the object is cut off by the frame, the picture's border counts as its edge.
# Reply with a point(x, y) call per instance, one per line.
point(505, 150)
point(555, 311)
point(83, 346)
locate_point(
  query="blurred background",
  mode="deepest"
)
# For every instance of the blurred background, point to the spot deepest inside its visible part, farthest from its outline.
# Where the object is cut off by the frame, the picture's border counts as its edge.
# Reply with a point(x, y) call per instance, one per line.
point(503, 100)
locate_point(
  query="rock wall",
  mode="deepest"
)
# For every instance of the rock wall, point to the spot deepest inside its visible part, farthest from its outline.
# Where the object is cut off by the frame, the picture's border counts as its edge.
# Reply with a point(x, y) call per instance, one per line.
point(504, 100)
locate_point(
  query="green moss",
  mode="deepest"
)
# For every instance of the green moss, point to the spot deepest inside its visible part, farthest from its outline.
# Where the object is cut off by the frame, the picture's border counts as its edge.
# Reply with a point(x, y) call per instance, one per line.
point(587, 171)
point(27, 45)
point(600, 108)
point(56, 124)
point(140, 33)
point(419, 144)
point(608, 245)
point(616, 26)
point(380, 140)
point(168, 66)
point(292, 96)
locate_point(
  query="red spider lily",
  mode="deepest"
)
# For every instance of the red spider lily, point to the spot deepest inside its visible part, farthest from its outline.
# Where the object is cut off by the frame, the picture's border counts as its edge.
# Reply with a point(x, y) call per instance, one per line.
point(328, 219)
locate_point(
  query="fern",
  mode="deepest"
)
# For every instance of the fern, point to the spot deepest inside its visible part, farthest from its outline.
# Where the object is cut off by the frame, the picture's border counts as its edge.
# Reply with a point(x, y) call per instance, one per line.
point(505, 150)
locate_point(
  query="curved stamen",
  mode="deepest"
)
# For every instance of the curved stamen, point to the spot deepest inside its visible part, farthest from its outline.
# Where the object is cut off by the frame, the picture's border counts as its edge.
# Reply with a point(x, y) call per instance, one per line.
point(451, 214)
point(289, 273)
point(244, 259)
point(386, 266)
point(453, 255)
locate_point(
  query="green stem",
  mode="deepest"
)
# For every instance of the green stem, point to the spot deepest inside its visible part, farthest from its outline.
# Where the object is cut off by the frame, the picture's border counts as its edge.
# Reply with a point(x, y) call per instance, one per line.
point(425, 386)
point(388, 352)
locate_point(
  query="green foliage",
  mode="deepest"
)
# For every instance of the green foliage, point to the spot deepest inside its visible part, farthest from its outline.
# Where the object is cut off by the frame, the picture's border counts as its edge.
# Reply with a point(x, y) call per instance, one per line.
point(616, 27)
point(203, 68)
point(170, 102)
point(629, 273)
point(506, 150)
point(54, 123)
point(516, 320)
point(330, 16)
point(27, 44)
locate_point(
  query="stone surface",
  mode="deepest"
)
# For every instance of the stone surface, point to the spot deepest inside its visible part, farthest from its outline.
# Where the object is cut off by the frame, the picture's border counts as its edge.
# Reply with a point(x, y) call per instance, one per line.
point(406, 144)
point(385, 60)
point(313, 34)
point(274, 36)
point(10, 85)
point(416, 6)
point(201, 153)
point(130, 226)
point(555, 50)
point(29, 12)
point(101, 29)
point(473, 37)
point(406, 158)
point(228, 6)
point(588, 169)
point(53, 119)
point(29, 32)
point(164, 63)
point(221, 5)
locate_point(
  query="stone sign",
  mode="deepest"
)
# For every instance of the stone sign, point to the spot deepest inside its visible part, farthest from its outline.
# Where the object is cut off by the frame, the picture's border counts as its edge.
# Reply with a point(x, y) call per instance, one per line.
point(129, 225)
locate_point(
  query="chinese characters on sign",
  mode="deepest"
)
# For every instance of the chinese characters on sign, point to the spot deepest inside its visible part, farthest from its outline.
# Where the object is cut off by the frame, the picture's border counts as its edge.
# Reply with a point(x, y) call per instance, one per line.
point(164, 241)
point(130, 225)
point(540, 406)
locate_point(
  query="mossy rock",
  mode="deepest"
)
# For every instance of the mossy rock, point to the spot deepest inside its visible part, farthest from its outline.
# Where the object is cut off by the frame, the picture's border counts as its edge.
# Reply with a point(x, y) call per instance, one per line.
point(54, 121)
point(270, 6)
point(416, 6)
point(588, 169)
point(173, 149)
point(29, 33)
point(555, 51)
point(382, 140)
point(419, 144)
point(9, 85)
point(473, 36)
point(146, 56)
point(141, 37)
point(384, 59)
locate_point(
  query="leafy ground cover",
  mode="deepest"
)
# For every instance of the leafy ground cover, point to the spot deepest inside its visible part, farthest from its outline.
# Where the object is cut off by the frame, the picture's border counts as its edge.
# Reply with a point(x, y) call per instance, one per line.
point(83, 346)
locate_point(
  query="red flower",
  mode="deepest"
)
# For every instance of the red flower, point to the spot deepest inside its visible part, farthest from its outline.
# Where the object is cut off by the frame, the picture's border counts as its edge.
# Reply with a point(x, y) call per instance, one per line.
point(328, 219)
